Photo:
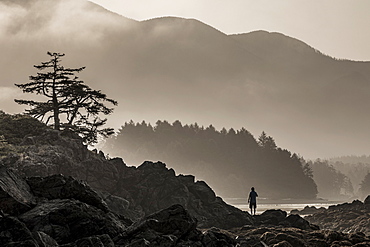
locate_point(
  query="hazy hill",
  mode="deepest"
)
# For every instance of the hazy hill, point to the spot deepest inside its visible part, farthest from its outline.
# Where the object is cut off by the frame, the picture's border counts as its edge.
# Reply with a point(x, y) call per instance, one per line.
point(174, 68)
point(355, 167)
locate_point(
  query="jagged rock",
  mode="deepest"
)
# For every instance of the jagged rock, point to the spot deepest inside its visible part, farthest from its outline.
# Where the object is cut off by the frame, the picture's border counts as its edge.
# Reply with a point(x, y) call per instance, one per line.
point(15, 195)
point(277, 217)
point(357, 237)
point(268, 237)
point(174, 220)
point(99, 240)
point(62, 187)
point(44, 240)
point(120, 206)
point(297, 221)
point(153, 187)
point(163, 228)
point(148, 188)
point(367, 200)
point(214, 237)
point(283, 236)
point(346, 217)
point(70, 213)
point(55, 152)
point(292, 240)
point(67, 220)
point(307, 210)
point(201, 190)
point(12, 231)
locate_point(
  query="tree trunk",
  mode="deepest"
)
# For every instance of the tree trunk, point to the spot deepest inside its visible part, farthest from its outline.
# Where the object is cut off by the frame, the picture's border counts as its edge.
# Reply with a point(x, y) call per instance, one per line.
point(56, 113)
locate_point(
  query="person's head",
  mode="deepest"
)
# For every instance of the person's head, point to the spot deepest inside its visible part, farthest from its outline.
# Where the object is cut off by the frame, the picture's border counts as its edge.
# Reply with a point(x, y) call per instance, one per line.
point(252, 188)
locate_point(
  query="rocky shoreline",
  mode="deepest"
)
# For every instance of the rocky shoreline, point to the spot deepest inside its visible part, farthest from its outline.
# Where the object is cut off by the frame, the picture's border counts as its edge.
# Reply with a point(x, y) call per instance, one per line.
point(103, 202)
point(346, 217)
point(61, 211)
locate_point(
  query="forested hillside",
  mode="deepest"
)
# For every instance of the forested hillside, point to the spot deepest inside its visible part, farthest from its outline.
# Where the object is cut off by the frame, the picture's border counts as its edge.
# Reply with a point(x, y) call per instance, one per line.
point(230, 161)
point(355, 168)
point(331, 182)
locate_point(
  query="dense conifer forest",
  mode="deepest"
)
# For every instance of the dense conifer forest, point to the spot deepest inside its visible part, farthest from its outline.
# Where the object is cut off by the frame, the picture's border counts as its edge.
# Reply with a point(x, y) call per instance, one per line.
point(230, 161)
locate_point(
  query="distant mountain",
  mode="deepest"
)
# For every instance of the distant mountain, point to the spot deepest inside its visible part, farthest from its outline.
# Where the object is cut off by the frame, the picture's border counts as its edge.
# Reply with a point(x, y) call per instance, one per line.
point(174, 68)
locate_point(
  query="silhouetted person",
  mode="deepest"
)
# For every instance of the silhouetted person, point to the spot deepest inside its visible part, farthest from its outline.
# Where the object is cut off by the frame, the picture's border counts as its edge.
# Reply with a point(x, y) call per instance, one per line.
point(252, 199)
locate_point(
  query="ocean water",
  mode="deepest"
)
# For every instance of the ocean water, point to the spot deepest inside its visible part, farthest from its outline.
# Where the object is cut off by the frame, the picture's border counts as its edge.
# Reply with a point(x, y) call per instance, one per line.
point(285, 205)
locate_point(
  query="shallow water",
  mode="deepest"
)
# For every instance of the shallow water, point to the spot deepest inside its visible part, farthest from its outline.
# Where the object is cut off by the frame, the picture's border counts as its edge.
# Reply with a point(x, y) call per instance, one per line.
point(285, 205)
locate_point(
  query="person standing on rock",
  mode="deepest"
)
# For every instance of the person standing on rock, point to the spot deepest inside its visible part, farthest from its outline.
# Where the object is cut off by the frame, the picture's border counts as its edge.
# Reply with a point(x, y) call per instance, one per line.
point(252, 199)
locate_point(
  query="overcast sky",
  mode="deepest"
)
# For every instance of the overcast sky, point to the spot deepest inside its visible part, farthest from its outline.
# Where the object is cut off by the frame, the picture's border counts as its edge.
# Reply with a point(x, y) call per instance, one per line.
point(339, 28)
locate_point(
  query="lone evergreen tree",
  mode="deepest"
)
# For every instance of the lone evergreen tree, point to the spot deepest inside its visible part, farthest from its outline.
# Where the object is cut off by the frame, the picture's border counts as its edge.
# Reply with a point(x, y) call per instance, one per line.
point(266, 141)
point(70, 103)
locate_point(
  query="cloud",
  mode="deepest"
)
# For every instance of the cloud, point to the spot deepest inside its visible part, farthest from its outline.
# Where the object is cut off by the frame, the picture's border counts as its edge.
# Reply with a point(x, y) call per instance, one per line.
point(74, 20)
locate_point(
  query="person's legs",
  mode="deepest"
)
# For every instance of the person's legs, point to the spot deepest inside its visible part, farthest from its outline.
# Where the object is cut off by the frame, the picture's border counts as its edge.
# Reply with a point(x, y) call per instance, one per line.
point(253, 206)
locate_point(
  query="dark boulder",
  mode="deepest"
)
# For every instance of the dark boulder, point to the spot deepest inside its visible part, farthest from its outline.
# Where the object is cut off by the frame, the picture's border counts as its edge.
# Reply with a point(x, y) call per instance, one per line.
point(165, 227)
point(153, 187)
point(215, 237)
point(14, 231)
point(15, 194)
point(271, 217)
point(67, 220)
point(296, 221)
point(44, 240)
point(292, 240)
point(62, 187)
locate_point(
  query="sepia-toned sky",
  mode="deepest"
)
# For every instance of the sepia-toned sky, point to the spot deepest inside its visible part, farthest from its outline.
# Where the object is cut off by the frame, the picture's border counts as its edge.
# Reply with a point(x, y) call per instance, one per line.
point(339, 28)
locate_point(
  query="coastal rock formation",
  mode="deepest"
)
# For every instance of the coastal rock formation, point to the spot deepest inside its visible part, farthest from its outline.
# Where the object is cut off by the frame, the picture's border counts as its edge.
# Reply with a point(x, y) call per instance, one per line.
point(147, 205)
point(141, 190)
point(307, 210)
point(367, 200)
point(67, 212)
point(15, 193)
point(346, 217)
point(294, 237)
point(153, 187)
point(277, 217)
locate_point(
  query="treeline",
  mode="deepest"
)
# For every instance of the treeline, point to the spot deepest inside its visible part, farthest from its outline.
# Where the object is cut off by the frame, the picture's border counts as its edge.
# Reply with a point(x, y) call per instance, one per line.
point(357, 169)
point(230, 161)
point(331, 182)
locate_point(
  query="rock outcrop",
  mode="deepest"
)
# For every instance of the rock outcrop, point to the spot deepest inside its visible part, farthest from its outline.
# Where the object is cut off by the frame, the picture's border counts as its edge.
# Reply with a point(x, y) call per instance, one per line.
point(43, 204)
point(277, 217)
point(66, 212)
point(308, 210)
point(15, 193)
point(142, 190)
point(367, 200)
point(346, 217)
point(294, 237)
point(152, 187)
